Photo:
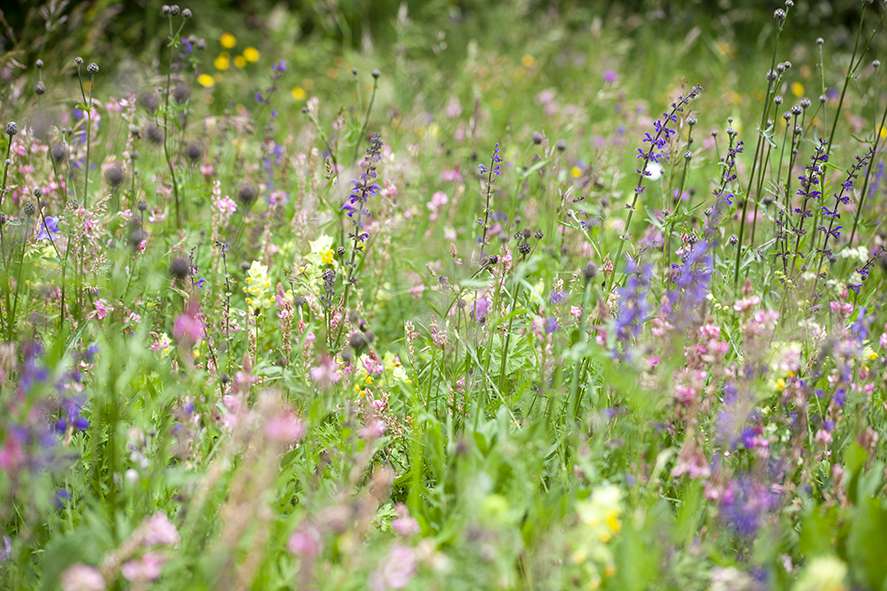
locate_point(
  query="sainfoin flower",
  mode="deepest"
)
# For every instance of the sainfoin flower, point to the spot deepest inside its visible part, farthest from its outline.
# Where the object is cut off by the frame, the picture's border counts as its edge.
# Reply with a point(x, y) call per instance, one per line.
point(159, 530)
point(285, 427)
point(80, 577)
point(188, 327)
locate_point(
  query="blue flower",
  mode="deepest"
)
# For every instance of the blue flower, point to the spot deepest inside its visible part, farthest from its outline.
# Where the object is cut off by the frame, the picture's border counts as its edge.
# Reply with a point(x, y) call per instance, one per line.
point(48, 229)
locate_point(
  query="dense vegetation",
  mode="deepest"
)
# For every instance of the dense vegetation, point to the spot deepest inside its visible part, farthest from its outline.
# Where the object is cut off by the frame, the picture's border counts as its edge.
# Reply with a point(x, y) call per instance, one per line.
point(518, 296)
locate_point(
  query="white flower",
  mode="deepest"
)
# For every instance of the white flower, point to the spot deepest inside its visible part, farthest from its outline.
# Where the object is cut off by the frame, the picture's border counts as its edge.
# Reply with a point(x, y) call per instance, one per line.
point(654, 171)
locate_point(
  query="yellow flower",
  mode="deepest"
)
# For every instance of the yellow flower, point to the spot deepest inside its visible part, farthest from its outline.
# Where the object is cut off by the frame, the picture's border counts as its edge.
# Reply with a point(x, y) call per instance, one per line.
point(575, 172)
point(600, 513)
point(222, 62)
point(528, 60)
point(322, 252)
point(251, 54)
point(258, 286)
point(227, 40)
point(206, 80)
point(298, 93)
point(780, 385)
point(883, 133)
point(797, 89)
point(239, 62)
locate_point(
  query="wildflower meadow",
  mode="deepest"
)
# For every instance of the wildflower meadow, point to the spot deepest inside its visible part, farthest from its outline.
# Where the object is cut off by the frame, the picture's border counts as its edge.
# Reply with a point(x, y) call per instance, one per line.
point(443, 295)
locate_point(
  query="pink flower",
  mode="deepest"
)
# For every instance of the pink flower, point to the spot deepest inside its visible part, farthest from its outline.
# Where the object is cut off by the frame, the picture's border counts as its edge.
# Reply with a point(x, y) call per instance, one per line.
point(275, 198)
point(144, 569)
point(404, 525)
point(438, 200)
point(188, 328)
point(451, 175)
point(225, 205)
point(397, 570)
point(373, 365)
point(454, 109)
point(326, 373)
point(101, 309)
point(285, 428)
point(305, 542)
point(12, 453)
point(80, 577)
point(159, 530)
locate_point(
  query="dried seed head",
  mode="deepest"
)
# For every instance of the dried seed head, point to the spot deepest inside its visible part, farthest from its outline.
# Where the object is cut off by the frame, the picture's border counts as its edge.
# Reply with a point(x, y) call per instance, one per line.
point(93, 68)
point(154, 133)
point(11, 128)
point(537, 138)
point(38, 64)
point(58, 152)
point(186, 12)
point(181, 93)
point(38, 192)
point(247, 194)
point(28, 209)
point(78, 61)
point(357, 341)
point(524, 248)
point(376, 73)
point(779, 15)
point(40, 87)
point(149, 101)
point(114, 175)
point(589, 272)
point(194, 151)
point(136, 235)
point(179, 268)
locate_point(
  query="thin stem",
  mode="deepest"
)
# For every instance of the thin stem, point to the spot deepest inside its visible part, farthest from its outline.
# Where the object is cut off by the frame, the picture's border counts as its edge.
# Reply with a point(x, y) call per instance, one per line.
point(366, 118)
point(868, 172)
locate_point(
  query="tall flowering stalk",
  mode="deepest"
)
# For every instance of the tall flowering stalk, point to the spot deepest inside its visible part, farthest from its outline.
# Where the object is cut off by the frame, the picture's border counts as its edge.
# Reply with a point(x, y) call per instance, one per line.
point(633, 306)
point(172, 44)
point(780, 16)
point(493, 171)
point(654, 153)
point(810, 189)
point(92, 69)
point(842, 197)
point(355, 206)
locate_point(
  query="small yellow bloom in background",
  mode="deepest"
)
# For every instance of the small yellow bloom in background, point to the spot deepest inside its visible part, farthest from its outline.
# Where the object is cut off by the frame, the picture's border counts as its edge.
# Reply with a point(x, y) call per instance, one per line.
point(206, 80)
point(780, 385)
point(797, 89)
point(575, 172)
point(326, 257)
point(298, 93)
point(883, 133)
point(227, 40)
point(222, 62)
point(239, 62)
point(251, 54)
point(528, 60)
